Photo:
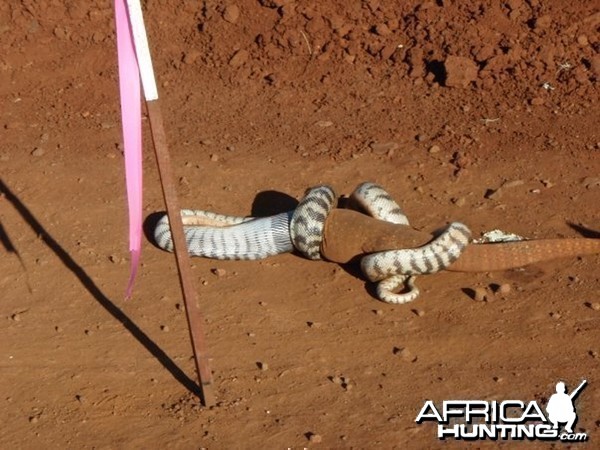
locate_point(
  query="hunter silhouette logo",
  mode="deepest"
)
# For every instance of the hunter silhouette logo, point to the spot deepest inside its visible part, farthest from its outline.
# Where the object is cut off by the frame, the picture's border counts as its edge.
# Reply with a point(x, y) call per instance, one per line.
point(560, 406)
point(507, 419)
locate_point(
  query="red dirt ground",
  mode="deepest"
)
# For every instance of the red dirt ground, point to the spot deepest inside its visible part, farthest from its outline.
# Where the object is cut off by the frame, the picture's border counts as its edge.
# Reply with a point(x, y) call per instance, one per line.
point(441, 102)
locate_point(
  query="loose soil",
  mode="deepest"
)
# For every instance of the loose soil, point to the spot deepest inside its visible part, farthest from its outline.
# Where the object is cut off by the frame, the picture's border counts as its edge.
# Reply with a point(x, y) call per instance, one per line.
point(485, 112)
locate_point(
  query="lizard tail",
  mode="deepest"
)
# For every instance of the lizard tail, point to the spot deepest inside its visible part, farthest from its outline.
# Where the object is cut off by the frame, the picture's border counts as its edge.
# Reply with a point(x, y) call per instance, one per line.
point(491, 257)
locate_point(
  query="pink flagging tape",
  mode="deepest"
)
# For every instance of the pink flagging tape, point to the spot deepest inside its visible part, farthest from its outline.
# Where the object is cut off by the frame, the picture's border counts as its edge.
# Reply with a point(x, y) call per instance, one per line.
point(131, 117)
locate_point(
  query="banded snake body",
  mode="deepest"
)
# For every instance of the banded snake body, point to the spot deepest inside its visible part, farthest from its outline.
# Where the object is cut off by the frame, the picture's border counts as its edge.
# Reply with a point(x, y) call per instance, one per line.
point(220, 236)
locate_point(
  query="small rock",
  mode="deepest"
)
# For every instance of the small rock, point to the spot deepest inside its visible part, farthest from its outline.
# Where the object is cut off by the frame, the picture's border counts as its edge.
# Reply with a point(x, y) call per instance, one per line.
point(593, 305)
point(231, 13)
point(239, 58)
point(479, 294)
point(555, 315)
point(485, 53)
point(382, 29)
point(60, 32)
point(591, 182)
point(513, 183)
point(271, 79)
point(38, 151)
point(493, 194)
point(384, 147)
point(16, 317)
point(191, 56)
point(262, 365)
point(165, 328)
point(337, 380)
point(34, 419)
point(542, 22)
point(583, 40)
point(421, 137)
point(462, 160)
point(460, 71)
point(379, 312)
point(388, 50)
point(98, 37)
point(405, 354)
point(514, 4)
point(214, 157)
point(434, 149)
point(324, 123)
point(504, 288)
point(219, 272)
point(537, 101)
point(418, 312)
point(460, 201)
point(315, 438)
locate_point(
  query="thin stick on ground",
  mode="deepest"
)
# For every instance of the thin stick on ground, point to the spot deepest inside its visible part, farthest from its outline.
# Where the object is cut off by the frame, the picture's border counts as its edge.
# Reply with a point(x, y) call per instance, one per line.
point(310, 52)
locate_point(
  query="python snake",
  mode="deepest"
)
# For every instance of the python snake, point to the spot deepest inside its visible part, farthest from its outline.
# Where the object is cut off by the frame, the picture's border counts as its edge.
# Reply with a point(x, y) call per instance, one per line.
point(219, 236)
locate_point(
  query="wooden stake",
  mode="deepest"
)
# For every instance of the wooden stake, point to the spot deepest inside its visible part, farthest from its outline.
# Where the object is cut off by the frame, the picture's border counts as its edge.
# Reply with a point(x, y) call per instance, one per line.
point(194, 316)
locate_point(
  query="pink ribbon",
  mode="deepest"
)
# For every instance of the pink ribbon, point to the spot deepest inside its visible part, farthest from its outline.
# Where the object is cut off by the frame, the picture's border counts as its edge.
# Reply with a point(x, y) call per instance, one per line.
point(131, 117)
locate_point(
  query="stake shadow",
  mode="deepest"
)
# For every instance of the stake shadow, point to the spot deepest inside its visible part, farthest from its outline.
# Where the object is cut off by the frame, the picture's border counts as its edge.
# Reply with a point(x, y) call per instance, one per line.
point(10, 248)
point(6, 242)
point(98, 295)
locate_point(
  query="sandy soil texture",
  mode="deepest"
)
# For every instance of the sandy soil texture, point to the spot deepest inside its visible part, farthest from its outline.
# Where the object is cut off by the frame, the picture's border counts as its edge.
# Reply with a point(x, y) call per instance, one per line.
point(485, 112)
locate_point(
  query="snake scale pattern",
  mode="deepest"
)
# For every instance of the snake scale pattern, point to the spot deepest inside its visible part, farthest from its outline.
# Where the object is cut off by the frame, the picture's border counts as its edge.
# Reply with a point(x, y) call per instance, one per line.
point(219, 236)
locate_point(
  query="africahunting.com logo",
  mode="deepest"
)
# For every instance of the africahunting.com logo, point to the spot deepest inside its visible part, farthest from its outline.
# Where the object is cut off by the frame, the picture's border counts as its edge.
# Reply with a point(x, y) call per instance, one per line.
point(508, 419)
